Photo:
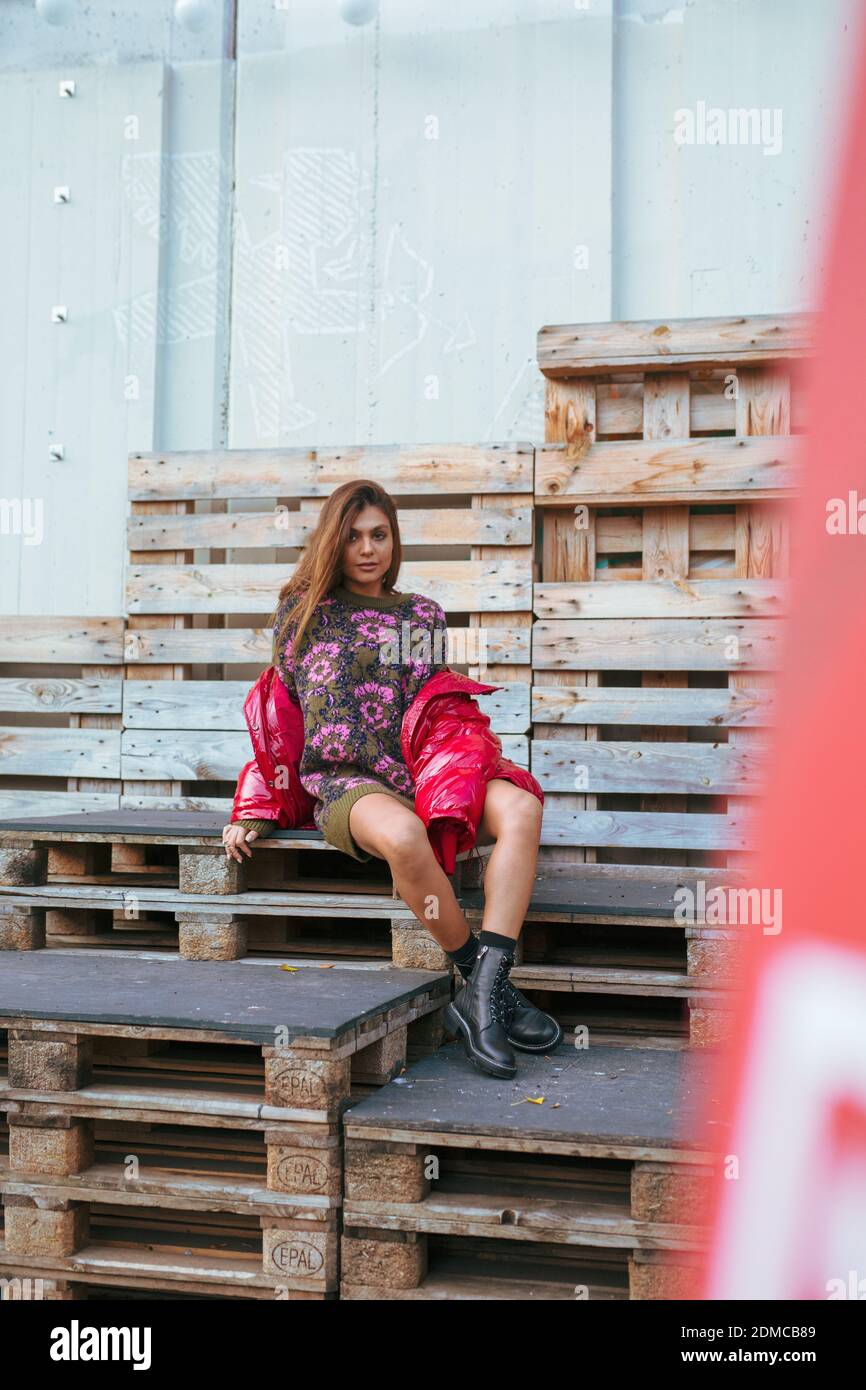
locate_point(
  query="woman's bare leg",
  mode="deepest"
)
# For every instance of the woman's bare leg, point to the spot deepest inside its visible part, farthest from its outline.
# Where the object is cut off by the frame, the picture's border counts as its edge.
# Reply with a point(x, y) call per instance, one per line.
point(512, 818)
point(384, 827)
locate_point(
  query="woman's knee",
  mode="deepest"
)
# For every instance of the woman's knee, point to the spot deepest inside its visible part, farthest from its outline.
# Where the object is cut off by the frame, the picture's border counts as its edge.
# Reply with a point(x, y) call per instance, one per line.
point(405, 837)
point(516, 813)
point(383, 826)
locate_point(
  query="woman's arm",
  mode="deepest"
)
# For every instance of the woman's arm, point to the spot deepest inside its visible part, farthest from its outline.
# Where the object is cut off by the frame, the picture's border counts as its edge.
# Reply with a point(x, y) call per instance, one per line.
point(282, 652)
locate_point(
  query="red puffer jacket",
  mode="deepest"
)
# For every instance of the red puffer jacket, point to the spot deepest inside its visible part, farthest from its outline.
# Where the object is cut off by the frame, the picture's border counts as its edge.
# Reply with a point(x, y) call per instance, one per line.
point(448, 747)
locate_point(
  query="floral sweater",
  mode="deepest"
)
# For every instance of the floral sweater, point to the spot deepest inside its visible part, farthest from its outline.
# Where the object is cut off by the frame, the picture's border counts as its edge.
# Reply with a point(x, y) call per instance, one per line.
point(362, 663)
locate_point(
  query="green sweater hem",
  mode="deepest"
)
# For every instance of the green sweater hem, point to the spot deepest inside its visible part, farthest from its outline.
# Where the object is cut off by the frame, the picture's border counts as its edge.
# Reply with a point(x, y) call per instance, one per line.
point(264, 827)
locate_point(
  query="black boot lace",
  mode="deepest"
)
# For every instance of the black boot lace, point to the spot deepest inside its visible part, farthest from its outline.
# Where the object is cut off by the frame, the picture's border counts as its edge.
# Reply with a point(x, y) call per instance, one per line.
point(499, 1007)
point(512, 999)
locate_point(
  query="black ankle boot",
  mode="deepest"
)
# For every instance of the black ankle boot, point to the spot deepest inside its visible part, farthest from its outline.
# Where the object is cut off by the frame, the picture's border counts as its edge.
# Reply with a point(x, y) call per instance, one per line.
point(527, 1027)
point(478, 1013)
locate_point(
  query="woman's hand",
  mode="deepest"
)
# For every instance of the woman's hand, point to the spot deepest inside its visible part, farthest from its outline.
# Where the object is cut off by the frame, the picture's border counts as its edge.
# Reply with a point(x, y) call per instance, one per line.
point(237, 838)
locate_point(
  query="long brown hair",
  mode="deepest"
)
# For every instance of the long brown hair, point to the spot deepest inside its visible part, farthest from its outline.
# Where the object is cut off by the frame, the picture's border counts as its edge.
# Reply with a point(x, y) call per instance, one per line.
point(320, 568)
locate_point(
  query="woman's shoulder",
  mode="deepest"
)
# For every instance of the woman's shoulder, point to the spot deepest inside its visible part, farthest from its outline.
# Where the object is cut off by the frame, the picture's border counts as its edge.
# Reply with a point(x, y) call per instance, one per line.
point(286, 603)
point(426, 607)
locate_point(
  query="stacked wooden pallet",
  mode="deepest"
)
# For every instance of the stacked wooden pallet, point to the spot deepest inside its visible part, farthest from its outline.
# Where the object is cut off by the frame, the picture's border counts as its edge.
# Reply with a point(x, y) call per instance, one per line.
point(59, 888)
point(60, 709)
point(176, 1127)
point(640, 696)
point(579, 1179)
point(661, 497)
point(212, 538)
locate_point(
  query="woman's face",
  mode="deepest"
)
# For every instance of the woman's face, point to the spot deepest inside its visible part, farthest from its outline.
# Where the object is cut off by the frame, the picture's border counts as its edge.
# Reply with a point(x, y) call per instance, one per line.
point(367, 552)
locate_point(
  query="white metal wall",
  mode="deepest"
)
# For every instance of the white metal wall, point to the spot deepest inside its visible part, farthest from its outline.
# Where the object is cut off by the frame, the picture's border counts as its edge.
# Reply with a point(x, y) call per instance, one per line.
point(286, 229)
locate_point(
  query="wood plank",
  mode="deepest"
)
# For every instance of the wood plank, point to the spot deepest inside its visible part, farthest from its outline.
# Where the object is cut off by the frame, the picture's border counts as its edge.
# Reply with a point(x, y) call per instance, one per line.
point(159, 1186)
point(763, 405)
point(169, 622)
point(52, 752)
point(620, 406)
point(587, 349)
point(219, 705)
point(504, 522)
point(204, 755)
point(618, 533)
point(537, 1218)
point(32, 802)
point(411, 469)
point(153, 898)
point(666, 416)
point(646, 830)
point(747, 706)
point(459, 585)
point(620, 472)
point(70, 640)
point(569, 553)
point(675, 597)
point(702, 769)
point(500, 557)
point(252, 646)
point(60, 695)
point(673, 644)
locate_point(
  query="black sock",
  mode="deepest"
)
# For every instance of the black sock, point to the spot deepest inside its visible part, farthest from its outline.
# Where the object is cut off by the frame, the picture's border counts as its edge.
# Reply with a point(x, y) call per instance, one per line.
point(493, 938)
point(464, 956)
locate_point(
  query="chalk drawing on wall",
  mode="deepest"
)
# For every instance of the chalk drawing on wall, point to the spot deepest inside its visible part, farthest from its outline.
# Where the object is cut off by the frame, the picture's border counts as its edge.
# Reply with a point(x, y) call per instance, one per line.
point(311, 276)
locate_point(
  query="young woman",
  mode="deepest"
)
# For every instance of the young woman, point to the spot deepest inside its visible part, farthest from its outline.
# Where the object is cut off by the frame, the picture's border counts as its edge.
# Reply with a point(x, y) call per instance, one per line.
point(330, 652)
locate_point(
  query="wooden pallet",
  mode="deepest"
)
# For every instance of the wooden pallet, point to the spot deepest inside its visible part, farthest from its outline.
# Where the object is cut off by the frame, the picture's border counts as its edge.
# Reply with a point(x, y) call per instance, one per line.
point(214, 535)
point(662, 495)
point(601, 1167)
point(60, 711)
point(59, 886)
point(170, 1054)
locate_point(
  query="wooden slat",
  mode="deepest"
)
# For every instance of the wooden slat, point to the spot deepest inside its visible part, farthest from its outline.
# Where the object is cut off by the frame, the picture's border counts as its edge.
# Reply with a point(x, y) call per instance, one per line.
point(409, 469)
point(673, 644)
point(666, 417)
point(644, 830)
point(169, 622)
point(761, 536)
point(747, 706)
point(59, 752)
point(587, 349)
point(86, 720)
point(501, 558)
point(72, 640)
point(219, 705)
point(502, 522)
point(569, 555)
point(677, 597)
point(712, 410)
point(617, 533)
point(622, 472)
point(702, 769)
point(459, 585)
point(60, 695)
point(154, 801)
point(244, 646)
point(30, 802)
point(183, 755)
point(190, 755)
